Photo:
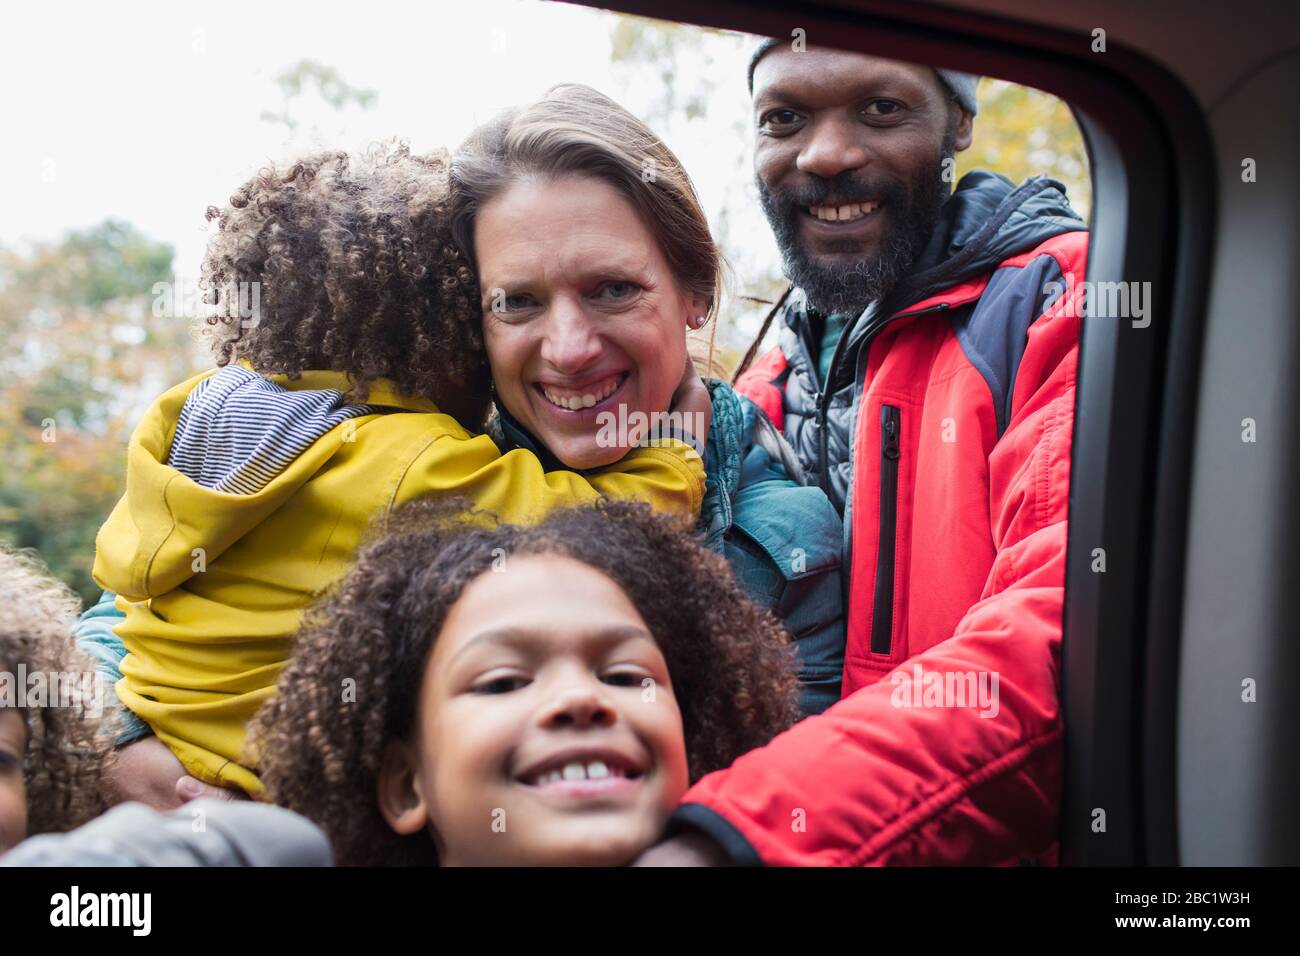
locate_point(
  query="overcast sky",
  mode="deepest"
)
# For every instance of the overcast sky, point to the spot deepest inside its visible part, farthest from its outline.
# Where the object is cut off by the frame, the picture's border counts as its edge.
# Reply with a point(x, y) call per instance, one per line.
point(152, 111)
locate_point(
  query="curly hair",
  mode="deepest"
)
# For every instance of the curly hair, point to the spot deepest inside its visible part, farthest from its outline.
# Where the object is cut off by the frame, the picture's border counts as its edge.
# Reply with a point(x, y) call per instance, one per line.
point(731, 662)
point(354, 270)
point(67, 750)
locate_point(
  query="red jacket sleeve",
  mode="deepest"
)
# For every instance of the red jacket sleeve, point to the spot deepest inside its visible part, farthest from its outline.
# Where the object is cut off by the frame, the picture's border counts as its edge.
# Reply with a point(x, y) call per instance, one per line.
point(869, 783)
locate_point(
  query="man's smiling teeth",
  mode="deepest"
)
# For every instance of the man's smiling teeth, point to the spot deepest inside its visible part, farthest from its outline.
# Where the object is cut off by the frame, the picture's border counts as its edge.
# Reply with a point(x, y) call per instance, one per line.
point(575, 770)
point(573, 399)
point(843, 213)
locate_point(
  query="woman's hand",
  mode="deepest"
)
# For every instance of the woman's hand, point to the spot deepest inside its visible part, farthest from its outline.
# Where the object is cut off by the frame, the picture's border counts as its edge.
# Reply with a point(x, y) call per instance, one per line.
point(693, 404)
point(191, 788)
point(145, 771)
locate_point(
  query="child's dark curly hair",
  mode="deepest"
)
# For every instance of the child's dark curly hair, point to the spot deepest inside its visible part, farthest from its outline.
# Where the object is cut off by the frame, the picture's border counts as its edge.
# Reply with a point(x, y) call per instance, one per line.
point(67, 750)
point(356, 272)
point(731, 662)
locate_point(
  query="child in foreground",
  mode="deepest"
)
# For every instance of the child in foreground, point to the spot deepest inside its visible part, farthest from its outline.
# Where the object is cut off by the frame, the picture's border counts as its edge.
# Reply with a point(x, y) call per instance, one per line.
point(52, 754)
point(520, 696)
point(351, 379)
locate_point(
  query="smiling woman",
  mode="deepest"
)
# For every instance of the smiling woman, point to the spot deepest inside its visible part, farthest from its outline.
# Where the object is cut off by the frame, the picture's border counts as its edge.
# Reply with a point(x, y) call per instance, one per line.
point(585, 316)
point(593, 256)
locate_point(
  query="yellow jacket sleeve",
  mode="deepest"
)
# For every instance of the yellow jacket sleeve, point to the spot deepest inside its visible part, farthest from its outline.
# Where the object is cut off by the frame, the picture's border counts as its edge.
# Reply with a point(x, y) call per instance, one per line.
point(514, 486)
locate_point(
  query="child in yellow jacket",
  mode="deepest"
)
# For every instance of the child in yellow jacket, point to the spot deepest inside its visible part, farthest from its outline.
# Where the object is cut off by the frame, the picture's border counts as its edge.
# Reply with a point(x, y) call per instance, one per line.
point(349, 359)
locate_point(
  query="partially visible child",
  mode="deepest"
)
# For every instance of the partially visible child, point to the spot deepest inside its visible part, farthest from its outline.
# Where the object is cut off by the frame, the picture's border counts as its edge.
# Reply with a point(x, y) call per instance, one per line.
point(351, 380)
point(521, 696)
point(52, 753)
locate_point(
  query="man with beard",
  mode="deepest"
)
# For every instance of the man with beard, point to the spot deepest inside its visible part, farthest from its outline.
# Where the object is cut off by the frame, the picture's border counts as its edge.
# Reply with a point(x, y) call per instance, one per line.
point(925, 375)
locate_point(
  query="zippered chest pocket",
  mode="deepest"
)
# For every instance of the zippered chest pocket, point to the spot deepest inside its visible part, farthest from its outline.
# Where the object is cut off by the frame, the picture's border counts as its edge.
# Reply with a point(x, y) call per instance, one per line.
point(882, 614)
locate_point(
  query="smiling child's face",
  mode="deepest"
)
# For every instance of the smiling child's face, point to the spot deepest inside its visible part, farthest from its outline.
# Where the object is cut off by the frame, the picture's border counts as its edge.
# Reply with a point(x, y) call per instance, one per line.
point(547, 732)
point(13, 792)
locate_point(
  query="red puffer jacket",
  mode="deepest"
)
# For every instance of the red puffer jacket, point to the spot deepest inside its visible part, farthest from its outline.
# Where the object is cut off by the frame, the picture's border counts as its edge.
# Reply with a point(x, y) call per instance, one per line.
point(946, 745)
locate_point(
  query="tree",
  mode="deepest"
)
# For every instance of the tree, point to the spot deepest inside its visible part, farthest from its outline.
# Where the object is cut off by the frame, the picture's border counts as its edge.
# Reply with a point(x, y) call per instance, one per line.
point(86, 349)
point(332, 92)
point(96, 326)
point(1022, 132)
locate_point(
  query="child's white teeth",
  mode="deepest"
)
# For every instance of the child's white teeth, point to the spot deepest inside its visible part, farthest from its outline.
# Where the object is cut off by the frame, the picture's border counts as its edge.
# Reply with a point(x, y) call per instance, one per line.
point(592, 770)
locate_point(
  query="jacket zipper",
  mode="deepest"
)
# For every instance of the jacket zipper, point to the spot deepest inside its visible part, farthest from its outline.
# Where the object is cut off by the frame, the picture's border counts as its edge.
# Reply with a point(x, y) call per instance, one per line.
point(823, 400)
point(821, 403)
point(882, 613)
point(819, 416)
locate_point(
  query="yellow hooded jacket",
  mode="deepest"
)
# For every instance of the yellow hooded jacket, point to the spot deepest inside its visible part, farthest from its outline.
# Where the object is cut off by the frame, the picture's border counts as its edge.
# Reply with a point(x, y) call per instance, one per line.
point(214, 584)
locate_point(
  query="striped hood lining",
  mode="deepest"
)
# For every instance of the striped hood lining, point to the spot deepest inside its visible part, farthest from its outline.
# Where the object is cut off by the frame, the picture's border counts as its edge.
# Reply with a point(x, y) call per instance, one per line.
point(237, 430)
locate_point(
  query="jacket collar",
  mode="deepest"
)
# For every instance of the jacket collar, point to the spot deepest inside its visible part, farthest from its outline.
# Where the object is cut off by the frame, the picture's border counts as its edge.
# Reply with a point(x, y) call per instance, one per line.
point(722, 460)
point(984, 222)
point(509, 434)
point(722, 456)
